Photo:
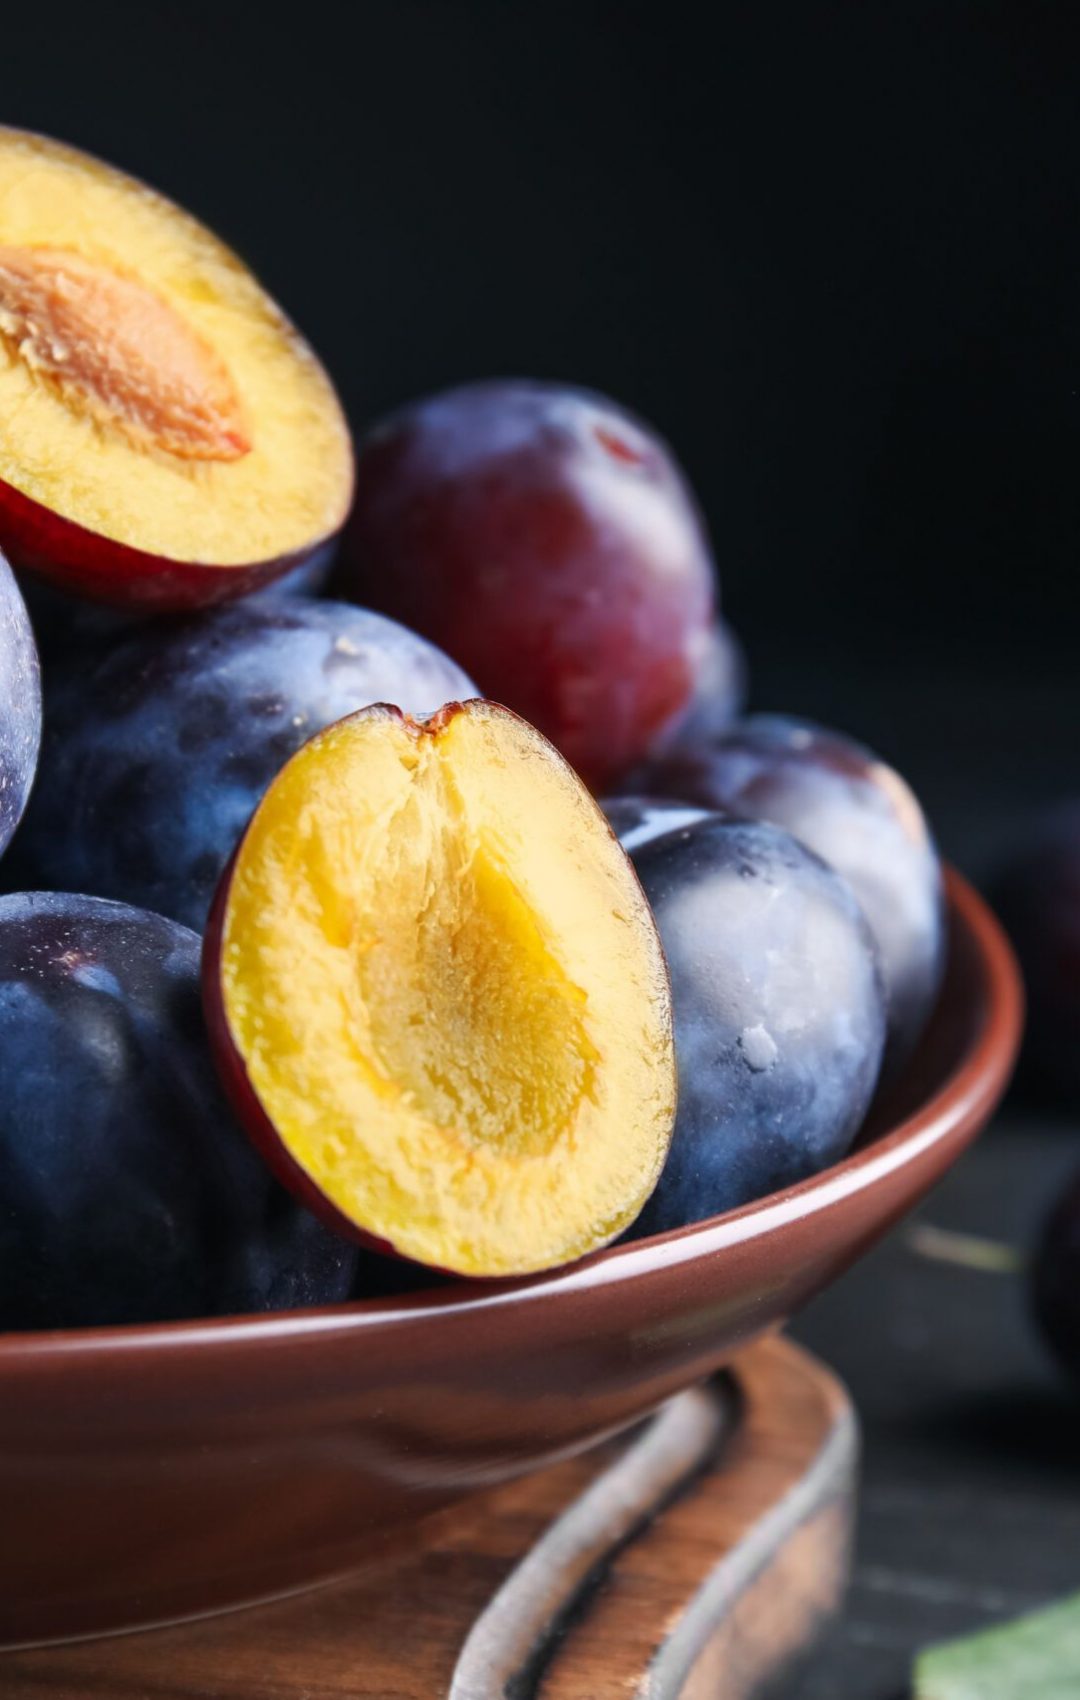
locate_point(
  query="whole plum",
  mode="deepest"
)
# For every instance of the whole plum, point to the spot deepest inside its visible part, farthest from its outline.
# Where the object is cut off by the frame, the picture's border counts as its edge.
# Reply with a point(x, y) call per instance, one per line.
point(1037, 896)
point(636, 820)
point(778, 1004)
point(852, 810)
point(20, 707)
point(155, 758)
point(1056, 1279)
point(129, 1193)
point(549, 540)
point(69, 628)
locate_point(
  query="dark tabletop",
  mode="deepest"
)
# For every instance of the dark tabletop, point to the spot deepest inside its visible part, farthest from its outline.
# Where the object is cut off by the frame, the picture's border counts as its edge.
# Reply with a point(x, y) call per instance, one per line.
point(970, 1507)
point(970, 1499)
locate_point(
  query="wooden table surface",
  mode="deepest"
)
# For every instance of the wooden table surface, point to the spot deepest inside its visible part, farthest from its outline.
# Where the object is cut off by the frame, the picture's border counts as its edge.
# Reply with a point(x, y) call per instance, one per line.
point(970, 1505)
point(970, 1497)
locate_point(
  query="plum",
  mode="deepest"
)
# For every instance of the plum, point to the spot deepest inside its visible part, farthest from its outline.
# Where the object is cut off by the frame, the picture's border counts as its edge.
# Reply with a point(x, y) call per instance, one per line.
point(20, 707)
point(549, 540)
point(852, 810)
point(130, 1194)
point(437, 995)
point(635, 820)
point(778, 1001)
point(719, 695)
point(1056, 1279)
point(1037, 895)
point(69, 627)
point(155, 758)
point(167, 439)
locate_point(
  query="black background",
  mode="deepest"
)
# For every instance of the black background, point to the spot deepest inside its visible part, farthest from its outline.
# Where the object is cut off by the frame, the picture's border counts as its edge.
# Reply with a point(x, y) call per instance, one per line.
point(833, 253)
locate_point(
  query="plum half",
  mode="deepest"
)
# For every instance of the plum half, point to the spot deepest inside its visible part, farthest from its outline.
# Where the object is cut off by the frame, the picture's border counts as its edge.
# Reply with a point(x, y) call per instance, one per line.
point(438, 996)
point(166, 438)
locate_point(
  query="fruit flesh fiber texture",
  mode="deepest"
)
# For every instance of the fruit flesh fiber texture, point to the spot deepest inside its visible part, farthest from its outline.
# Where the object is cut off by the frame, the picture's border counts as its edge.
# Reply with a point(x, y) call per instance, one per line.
point(448, 994)
point(155, 757)
point(150, 391)
point(130, 1192)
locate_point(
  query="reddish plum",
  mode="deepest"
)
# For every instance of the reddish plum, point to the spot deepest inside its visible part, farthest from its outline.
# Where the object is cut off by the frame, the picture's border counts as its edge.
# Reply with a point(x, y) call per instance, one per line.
point(549, 541)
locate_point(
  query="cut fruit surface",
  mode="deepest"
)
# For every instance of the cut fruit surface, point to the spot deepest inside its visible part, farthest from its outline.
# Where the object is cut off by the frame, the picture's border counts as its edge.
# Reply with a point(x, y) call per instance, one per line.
point(162, 426)
point(439, 997)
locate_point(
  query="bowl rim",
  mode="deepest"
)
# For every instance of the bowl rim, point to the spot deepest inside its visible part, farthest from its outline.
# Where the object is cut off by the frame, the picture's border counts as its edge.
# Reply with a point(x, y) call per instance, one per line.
point(963, 1098)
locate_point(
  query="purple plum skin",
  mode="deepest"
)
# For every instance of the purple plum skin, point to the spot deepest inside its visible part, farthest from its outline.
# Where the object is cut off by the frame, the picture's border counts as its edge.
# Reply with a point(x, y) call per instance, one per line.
point(20, 711)
point(549, 539)
point(68, 627)
point(1037, 896)
point(853, 811)
point(1055, 1280)
point(778, 1005)
point(155, 758)
point(719, 695)
point(130, 1194)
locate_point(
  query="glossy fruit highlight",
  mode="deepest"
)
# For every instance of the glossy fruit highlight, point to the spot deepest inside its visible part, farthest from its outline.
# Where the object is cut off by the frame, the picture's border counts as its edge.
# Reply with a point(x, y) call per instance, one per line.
point(778, 1007)
point(852, 810)
point(20, 705)
point(438, 996)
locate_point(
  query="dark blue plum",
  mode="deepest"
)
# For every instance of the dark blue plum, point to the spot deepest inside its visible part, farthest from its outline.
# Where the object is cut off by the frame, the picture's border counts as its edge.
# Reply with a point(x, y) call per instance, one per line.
point(550, 540)
point(129, 1193)
point(778, 1003)
point(1037, 895)
point(852, 810)
point(636, 820)
point(20, 707)
point(155, 758)
point(69, 628)
point(1055, 1280)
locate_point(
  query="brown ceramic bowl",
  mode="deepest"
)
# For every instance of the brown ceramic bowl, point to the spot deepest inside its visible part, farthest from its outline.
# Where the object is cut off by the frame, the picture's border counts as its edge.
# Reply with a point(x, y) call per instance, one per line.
point(149, 1473)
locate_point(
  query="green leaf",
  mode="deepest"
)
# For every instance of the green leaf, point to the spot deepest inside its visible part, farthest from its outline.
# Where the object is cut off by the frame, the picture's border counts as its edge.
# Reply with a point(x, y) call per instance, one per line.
point(1036, 1657)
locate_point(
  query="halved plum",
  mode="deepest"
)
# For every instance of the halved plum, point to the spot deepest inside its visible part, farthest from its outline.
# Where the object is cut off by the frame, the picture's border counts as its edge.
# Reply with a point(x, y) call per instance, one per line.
point(438, 997)
point(166, 438)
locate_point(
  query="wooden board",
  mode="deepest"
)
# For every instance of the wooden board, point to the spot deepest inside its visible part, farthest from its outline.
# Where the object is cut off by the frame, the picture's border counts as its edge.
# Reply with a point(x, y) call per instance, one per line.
point(697, 1558)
